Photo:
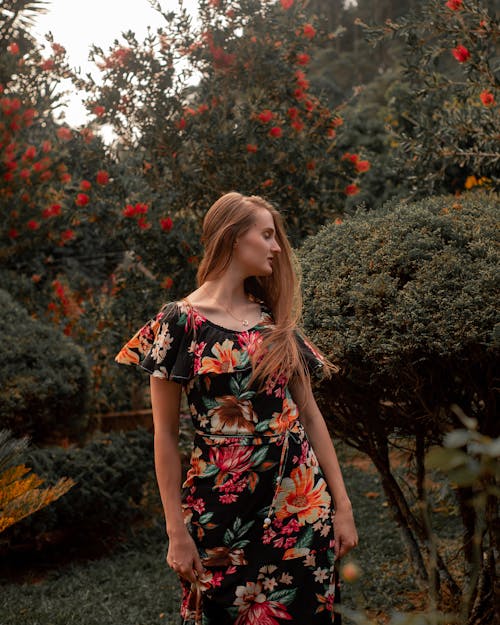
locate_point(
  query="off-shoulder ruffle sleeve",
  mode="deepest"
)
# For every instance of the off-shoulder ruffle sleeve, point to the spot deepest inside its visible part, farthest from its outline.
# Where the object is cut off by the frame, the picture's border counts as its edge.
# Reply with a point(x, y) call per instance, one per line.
point(164, 345)
point(313, 359)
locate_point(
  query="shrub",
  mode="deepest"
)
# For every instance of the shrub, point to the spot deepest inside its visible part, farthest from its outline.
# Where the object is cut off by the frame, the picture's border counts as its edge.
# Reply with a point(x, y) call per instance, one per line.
point(405, 299)
point(110, 474)
point(44, 377)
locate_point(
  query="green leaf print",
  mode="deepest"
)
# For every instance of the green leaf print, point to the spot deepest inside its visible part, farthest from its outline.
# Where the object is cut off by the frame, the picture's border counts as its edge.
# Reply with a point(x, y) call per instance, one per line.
point(259, 455)
point(206, 517)
point(283, 596)
point(306, 539)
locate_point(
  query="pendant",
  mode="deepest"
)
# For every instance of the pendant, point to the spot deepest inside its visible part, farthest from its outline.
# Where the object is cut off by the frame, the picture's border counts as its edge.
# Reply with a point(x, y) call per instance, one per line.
point(245, 322)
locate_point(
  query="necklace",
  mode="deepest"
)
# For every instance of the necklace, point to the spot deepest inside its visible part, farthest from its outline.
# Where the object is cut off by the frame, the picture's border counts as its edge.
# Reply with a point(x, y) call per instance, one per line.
point(243, 321)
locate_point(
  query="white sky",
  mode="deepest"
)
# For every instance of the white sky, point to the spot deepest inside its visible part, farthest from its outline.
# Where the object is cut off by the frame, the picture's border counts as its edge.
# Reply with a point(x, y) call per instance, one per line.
point(77, 24)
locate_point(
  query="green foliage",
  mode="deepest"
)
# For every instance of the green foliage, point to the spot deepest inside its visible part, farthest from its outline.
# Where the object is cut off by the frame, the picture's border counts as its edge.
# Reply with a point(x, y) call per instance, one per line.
point(446, 110)
point(405, 299)
point(44, 376)
point(111, 474)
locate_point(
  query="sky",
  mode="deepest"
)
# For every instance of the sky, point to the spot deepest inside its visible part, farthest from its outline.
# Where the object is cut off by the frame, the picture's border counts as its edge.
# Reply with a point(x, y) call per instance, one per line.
point(77, 24)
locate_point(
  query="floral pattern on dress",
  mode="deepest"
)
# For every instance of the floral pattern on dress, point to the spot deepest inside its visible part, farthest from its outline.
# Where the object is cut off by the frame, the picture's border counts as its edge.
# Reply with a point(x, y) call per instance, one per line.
point(255, 499)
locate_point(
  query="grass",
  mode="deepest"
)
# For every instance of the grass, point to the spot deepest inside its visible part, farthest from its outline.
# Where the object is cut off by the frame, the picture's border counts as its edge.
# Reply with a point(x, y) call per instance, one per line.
point(132, 584)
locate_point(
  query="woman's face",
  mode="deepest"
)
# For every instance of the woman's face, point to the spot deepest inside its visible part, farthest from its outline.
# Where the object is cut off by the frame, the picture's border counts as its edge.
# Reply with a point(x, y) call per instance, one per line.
point(256, 248)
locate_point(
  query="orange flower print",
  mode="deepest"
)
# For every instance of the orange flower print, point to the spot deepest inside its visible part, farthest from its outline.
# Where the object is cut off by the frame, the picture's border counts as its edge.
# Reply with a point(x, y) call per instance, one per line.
point(255, 609)
point(232, 416)
point(198, 466)
point(141, 341)
point(299, 495)
point(226, 359)
point(281, 421)
point(224, 556)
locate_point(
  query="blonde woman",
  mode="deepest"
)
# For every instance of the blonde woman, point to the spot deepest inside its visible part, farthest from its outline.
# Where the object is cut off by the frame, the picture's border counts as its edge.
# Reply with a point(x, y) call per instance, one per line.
point(256, 530)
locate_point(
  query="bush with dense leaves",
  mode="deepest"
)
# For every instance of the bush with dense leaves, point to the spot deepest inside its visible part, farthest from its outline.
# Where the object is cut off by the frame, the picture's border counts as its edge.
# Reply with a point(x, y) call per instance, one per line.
point(112, 474)
point(44, 375)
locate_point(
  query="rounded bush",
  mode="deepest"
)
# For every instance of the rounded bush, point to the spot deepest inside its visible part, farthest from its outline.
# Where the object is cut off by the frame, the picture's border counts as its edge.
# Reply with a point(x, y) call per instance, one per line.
point(406, 300)
point(45, 377)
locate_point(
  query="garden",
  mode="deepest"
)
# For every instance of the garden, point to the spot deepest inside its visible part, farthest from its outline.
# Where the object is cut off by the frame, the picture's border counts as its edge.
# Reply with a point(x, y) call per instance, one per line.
point(375, 130)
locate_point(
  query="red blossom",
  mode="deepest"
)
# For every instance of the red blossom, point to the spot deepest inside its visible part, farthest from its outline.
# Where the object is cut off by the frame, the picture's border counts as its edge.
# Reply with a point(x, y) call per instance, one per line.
point(102, 177)
point(363, 166)
point(82, 199)
point(308, 31)
point(47, 64)
point(58, 49)
point(51, 211)
point(46, 146)
point(46, 175)
point(85, 185)
point(293, 112)
point(98, 110)
point(461, 53)
point(487, 98)
point(351, 189)
point(297, 125)
point(252, 148)
point(302, 58)
point(202, 108)
point(141, 208)
point(330, 133)
point(64, 133)
point(286, 4)
point(128, 211)
point(87, 134)
point(13, 48)
point(275, 131)
point(311, 165)
point(65, 178)
point(454, 5)
point(67, 235)
point(33, 225)
point(25, 174)
point(167, 283)
point(266, 116)
point(166, 224)
point(13, 233)
point(143, 224)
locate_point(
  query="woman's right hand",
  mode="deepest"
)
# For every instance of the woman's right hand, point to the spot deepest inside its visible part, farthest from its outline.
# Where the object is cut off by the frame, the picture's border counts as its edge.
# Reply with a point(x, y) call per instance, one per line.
point(183, 556)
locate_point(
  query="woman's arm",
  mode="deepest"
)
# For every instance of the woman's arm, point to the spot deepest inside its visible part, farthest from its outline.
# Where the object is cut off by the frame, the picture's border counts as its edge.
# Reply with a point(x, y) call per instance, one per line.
point(319, 436)
point(182, 555)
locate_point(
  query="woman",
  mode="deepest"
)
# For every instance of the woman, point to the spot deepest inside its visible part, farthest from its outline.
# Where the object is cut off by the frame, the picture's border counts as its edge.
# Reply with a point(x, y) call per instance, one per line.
point(263, 516)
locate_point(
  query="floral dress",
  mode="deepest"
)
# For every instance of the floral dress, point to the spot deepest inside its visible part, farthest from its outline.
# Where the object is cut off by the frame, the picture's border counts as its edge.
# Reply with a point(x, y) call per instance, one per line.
point(255, 499)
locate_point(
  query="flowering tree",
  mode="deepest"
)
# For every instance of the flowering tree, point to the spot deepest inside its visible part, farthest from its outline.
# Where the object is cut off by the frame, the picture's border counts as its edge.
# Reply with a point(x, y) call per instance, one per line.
point(445, 115)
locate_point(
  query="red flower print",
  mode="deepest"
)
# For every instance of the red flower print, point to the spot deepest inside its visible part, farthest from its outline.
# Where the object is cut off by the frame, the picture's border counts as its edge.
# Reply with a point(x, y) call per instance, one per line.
point(231, 459)
point(266, 116)
point(255, 609)
point(487, 98)
point(461, 53)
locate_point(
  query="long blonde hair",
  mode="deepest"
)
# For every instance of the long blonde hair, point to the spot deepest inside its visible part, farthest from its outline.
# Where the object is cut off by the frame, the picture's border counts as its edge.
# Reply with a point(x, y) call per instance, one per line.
point(279, 355)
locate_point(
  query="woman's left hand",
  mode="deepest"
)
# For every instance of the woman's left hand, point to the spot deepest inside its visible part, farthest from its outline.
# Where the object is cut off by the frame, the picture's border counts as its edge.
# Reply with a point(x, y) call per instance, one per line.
point(346, 536)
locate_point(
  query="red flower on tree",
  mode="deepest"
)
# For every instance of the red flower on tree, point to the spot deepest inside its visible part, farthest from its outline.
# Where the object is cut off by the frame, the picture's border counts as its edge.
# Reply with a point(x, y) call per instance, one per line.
point(487, 98)
point(98, 110)
point(102, 177)
point(266, 116)
point(302, 59)
point(13, 48)
point(454, 5)
point(286, 4)
point(64, 133)
point(308, 31)
point(82, 199)
point(252, 148)
point(85, 185)
point(351, 189)
point(275, 131)
point(166, 224)
point(461, 53)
